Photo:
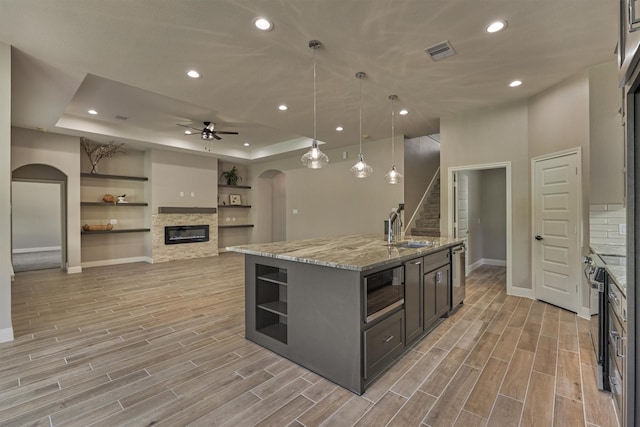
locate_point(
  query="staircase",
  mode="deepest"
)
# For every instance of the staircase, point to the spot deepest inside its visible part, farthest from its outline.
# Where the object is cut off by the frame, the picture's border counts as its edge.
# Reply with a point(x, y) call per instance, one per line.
point(428, 223)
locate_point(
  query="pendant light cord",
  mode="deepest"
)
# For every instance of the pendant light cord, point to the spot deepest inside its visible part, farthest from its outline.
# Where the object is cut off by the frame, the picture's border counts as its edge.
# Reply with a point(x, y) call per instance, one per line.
point(360, 115)
point(314, 95)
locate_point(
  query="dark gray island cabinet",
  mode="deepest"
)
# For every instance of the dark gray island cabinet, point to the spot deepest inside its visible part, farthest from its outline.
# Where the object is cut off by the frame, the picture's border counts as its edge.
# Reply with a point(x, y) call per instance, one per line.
point(348, 307)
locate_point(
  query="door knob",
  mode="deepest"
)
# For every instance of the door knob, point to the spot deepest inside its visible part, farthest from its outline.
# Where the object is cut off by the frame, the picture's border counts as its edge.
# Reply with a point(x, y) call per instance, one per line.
point(538, 237)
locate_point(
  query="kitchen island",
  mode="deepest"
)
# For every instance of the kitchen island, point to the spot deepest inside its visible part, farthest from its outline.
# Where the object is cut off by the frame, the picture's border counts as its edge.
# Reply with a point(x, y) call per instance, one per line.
point(346, 307)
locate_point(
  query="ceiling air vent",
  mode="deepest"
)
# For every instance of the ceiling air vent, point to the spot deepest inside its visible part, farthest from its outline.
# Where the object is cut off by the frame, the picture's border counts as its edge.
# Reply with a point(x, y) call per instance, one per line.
point(440, 50)
point(119, 117)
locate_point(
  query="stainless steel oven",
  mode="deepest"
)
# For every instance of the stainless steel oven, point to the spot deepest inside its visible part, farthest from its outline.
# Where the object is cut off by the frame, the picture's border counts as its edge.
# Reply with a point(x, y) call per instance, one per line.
point(596, 275)
point(383, 292)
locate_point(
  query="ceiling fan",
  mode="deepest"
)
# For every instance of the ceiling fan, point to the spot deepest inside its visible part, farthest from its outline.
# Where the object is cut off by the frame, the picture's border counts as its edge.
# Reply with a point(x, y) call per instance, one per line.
point(208, 132)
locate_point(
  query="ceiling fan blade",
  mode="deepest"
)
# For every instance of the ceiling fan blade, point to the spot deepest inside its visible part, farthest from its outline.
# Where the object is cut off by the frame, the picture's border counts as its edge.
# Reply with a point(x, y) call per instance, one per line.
point(225, 132)
point(189, 127)
point(216, 136)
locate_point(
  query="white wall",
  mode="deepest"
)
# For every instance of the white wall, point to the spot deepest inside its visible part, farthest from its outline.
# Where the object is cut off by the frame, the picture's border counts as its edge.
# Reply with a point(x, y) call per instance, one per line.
point(6, 270)
point(35, 215)
point(61, 152)
point(330, 201)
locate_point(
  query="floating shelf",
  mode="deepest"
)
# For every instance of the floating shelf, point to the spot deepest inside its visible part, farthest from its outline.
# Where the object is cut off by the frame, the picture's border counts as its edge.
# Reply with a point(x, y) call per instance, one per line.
point(234, 206)
point(236, 226)
point(112, 204)
point(124, 230)
point(234, 186)
point(104, 176)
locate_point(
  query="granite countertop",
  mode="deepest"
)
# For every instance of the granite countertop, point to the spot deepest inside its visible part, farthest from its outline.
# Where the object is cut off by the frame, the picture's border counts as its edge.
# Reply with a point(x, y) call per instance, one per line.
point(615, 259)
point(357, 252)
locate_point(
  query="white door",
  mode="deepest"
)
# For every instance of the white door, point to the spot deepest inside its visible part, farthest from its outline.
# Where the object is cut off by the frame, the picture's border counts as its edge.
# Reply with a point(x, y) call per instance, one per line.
point(556, 215)
point(461, 190)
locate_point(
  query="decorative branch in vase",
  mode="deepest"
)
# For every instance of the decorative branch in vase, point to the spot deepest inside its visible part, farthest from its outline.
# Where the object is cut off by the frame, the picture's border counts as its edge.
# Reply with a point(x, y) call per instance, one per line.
point(96, 152)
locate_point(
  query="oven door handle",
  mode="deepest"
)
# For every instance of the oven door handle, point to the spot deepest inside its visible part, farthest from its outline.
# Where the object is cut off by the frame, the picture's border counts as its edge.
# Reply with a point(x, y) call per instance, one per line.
point(615, 336)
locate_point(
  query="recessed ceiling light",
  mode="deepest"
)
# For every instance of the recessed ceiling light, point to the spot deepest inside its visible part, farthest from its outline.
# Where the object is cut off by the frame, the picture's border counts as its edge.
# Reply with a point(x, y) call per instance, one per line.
point(515, 83)
point(339, 128)
point(283, 107)
point(246, 144)
point(187, 132)
point(404, 112)
point(496, 26)
point(263, 24)
point(194, 74)
point(92, 112)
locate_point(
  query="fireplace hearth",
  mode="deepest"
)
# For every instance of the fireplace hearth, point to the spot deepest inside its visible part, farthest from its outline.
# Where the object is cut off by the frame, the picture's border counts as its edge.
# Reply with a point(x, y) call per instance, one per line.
point(179, 234)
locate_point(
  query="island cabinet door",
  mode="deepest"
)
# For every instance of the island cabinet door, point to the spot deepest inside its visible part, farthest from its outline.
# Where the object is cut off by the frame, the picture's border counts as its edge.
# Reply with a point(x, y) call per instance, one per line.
point(429, 308)
point(413, 299)
point(443, 290)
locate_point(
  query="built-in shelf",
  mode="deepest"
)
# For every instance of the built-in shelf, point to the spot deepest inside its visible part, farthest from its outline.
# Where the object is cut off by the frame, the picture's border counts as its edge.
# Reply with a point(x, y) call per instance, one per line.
point(236, 226)
point(112, 204)
point(271, 302)
point(234, 186)
point(105, 176)
point(124, 230)
point(277, 307)
point(234, 206)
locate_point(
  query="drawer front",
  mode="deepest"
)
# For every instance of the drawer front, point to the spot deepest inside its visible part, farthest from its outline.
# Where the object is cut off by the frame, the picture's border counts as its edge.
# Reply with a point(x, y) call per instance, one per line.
point(433, 261)
point(616, 381)
point(617, 342)
point(382, 343)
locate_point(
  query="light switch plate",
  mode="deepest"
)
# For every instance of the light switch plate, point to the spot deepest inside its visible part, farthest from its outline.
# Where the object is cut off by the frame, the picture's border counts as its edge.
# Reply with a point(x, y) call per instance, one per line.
point(113, 221)
point(622, 229)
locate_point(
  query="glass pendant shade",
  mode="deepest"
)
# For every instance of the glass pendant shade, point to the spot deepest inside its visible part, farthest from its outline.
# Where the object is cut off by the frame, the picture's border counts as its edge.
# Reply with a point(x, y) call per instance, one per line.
point(361, 169)
point(393, 176)
point(314, 158)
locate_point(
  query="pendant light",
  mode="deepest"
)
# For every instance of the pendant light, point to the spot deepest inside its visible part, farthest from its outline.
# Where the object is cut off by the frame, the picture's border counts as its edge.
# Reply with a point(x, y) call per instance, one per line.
point(314, 158)
point(361, 169)
point(393, 176)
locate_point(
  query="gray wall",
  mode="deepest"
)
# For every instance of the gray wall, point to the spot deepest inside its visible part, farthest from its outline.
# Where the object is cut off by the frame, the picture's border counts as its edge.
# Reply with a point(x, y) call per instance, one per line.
point(494, 214)
point(6, 270)
point(485, 136)
point(61, 152)
point(35, 215)
point(421, 161)
point(330, 201)
point(606, 136)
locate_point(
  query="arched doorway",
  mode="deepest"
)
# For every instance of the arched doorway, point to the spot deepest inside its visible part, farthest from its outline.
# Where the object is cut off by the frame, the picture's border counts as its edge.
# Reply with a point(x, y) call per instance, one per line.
point(271, 223)
point(38, 218)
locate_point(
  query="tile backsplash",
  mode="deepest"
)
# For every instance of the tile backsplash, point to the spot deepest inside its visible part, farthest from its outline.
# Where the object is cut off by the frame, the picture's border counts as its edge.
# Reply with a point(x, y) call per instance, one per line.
point(607, 224)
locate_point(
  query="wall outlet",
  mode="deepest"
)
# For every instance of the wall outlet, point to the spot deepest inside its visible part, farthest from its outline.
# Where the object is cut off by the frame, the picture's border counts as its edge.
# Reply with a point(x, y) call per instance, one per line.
point(622, 229)
point(182, 194)
point(227, 219)
point(193, 194)
point(294, 211)
point(113, 221)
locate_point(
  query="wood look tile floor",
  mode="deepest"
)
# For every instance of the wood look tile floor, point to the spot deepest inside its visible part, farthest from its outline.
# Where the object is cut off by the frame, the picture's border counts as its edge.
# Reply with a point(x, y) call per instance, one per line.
point(163, 344)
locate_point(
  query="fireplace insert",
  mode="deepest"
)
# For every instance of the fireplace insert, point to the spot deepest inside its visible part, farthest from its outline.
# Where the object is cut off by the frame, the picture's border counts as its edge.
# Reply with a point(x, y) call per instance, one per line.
point(186, 234)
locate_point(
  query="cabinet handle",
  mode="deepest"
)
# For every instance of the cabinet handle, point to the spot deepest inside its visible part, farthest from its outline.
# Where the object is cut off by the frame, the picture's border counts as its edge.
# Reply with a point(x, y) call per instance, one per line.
point(417, 263)
point(614, 298)
point(613, 382)
point(439, 277)
point(389, 338)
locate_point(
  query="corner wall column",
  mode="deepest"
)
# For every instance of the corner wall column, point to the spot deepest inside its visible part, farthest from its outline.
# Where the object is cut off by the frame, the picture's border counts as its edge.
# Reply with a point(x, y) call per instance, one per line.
point(6, 268)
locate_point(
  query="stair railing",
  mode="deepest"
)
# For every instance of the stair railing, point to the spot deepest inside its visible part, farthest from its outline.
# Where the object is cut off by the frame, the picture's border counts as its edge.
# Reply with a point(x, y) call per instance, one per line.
point(409, 223)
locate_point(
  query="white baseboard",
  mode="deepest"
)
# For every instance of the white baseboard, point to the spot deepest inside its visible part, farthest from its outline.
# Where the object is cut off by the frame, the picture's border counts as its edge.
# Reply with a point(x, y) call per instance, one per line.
point(487, 261)
point(6, 334)
point(73, 270)
point(521, 292)
point(585, 313)
point(117, 261)
point(42, 249)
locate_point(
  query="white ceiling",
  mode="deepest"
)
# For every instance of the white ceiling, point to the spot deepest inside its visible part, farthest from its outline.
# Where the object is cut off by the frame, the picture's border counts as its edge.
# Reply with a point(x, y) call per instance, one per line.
point(128, 58)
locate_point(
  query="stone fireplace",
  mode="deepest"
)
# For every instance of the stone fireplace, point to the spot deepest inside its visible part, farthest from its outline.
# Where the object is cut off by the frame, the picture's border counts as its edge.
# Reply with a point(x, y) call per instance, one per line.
point(193, 233)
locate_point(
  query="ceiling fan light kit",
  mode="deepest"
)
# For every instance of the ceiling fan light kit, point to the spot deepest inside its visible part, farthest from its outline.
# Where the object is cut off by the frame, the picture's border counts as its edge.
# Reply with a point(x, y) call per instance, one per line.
point(314, 158)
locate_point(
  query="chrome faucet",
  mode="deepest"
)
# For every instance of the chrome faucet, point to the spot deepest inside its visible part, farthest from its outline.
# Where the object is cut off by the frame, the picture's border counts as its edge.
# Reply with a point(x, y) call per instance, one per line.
point(393, 217)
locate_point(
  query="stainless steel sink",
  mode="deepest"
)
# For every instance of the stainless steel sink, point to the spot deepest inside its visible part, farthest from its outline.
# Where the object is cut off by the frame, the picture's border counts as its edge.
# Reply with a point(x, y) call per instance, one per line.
point(412, 244)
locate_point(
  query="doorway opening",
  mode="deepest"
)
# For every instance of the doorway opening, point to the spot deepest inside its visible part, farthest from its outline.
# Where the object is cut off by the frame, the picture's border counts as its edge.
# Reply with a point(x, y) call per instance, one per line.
point(271, 224)
point(480, 212)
